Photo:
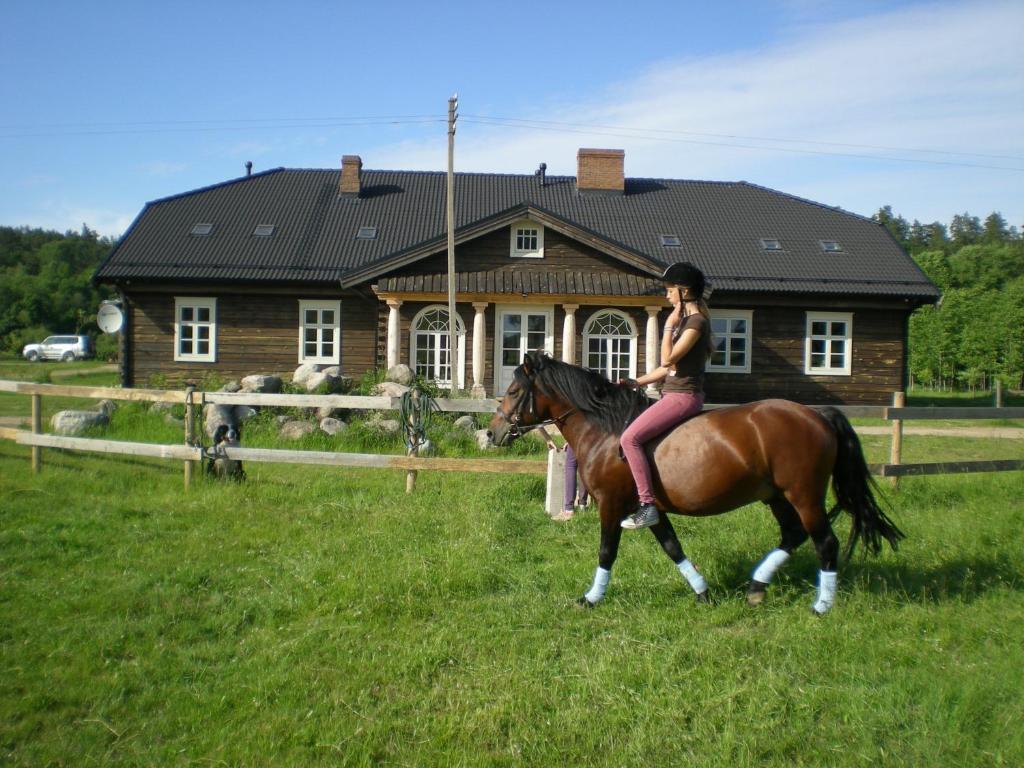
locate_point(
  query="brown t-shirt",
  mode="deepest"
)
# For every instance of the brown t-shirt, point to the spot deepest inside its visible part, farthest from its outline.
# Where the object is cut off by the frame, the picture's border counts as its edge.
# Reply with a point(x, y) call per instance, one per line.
point(688, 375)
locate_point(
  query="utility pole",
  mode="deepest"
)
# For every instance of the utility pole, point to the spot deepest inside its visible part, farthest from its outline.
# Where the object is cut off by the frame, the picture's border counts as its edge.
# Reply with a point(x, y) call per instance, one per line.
point(453, 347)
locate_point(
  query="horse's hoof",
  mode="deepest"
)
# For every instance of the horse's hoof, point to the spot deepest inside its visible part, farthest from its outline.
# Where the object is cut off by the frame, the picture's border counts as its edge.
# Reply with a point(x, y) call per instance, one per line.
point(704, 598)
point(756, 593)
point(819, 612)
point(582, 602)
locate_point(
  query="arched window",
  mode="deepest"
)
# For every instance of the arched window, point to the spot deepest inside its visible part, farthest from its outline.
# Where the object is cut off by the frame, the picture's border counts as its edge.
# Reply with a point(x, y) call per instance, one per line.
point(609, 345)
point(429, 343)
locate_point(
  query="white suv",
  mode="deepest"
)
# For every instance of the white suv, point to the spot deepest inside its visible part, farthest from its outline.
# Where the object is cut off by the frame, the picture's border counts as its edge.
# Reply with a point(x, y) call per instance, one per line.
point(66, 348)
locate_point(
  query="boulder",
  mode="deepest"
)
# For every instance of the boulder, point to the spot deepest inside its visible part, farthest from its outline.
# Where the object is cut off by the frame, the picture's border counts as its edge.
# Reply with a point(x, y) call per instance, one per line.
point(332, 426)
point(231, 386)
point(400, 374)
point(243, 413)
point(466, 424)
point(108, 407)
point(304, 371)
point(76, 422)
point(387, 426)
point(334, 383)
point(261, 383)
point(390, 389)
point(296, 430)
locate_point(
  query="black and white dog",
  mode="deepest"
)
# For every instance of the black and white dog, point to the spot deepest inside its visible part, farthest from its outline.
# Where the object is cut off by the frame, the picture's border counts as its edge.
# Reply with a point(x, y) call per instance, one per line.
point(217, 462)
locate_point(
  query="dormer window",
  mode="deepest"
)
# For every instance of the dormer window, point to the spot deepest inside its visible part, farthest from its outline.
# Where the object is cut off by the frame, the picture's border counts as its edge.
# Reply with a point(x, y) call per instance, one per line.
point(527, 240)
point(830, 246)
point(770, 244)
point(670, 241)
point(366, 233)
point(202, 230)
point(263, 230)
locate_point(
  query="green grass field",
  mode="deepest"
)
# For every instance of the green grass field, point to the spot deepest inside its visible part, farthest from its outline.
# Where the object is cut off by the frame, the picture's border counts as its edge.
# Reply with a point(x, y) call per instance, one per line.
point(316, 616)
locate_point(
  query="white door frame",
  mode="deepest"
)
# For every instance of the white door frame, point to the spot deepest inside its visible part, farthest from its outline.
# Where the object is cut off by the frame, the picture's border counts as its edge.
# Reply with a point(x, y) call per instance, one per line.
point(500, 311)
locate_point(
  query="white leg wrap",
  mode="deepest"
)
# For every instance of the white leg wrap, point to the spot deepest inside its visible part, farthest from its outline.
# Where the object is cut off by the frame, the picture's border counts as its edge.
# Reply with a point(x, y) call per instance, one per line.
point(692, 575)
point(596, 593)
point(826, 591)
point(765, 572)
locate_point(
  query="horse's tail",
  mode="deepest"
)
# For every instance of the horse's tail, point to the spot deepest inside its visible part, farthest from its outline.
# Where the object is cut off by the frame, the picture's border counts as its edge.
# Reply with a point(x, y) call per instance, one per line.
point(854, 489)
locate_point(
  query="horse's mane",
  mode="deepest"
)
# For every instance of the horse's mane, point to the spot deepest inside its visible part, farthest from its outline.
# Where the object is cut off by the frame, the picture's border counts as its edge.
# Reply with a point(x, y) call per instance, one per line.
point(608, 405)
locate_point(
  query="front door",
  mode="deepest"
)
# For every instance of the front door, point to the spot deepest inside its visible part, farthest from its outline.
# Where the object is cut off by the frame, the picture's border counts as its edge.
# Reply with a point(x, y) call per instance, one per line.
point(519, 330)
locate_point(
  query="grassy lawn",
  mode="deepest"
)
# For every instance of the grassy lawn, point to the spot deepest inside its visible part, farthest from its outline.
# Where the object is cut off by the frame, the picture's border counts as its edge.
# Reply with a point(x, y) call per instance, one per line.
point(313, 616)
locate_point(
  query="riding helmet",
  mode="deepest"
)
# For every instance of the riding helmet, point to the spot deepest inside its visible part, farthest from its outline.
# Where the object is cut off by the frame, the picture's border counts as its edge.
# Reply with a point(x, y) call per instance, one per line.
point(684, 273)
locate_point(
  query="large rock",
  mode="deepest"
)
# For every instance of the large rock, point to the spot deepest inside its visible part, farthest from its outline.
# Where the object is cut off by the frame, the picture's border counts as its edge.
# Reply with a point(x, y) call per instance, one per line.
point(390, 389)
point(304, 371)
point(332, 426)
point(388, 426)
point(332, 383)
point(400, 374)
point(76, 422)
point(466, 424)
point(296, 430)
point(261, 383)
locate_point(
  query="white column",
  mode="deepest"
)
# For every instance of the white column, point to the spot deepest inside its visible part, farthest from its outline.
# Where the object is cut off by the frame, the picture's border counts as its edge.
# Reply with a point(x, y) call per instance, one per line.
point(653, 342)
point(569, 334)
point(394, 342)
point(479, 344)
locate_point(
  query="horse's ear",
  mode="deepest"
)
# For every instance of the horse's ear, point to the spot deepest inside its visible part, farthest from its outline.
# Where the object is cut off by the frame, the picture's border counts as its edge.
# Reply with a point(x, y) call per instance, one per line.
point(528, 364)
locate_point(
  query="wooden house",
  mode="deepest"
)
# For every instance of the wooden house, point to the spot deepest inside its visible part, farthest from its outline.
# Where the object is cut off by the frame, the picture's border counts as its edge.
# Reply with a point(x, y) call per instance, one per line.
point(262, 273)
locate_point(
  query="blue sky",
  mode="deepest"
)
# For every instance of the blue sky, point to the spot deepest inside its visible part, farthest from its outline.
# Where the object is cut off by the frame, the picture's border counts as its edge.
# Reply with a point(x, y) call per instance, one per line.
point(107, 105)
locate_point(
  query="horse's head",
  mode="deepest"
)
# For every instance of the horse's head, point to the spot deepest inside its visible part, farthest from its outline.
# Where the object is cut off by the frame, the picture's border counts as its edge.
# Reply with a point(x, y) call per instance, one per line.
point(524, 405)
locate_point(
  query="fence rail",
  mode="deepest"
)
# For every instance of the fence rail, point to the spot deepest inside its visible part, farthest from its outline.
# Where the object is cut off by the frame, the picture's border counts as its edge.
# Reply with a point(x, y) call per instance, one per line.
point(190, 453)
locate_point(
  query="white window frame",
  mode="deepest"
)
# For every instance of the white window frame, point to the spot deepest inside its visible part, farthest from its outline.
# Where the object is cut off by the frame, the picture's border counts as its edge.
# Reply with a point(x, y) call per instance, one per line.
point(319, 305)
point(746, 315)
point(829, 338)
point(460, 331)
point(500, 311)
point(195, 303)
point(588, 335)
point(526, 253)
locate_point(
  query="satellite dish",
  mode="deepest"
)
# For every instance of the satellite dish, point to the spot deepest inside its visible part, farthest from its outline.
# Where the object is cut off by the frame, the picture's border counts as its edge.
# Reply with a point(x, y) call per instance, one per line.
point(110, 319)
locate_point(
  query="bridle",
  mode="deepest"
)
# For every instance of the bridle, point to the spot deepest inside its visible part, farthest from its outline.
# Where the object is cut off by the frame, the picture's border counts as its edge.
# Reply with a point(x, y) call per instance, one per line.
point(515, 426)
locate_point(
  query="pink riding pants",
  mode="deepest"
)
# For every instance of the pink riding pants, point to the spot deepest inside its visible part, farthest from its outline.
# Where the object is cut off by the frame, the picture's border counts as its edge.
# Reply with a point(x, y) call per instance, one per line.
point(672, 409)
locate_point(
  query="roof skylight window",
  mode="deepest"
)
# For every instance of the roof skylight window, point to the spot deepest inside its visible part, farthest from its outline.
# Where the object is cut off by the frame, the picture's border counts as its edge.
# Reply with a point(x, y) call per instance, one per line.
point(830, 246)
point(670, 241)
point(263, 230)
point(770, 244)
point(202, 230)
point(366, 233)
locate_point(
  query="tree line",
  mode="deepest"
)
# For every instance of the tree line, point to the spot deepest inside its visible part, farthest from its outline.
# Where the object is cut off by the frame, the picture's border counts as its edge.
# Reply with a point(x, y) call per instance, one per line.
point(45, 283)
point(976, 332)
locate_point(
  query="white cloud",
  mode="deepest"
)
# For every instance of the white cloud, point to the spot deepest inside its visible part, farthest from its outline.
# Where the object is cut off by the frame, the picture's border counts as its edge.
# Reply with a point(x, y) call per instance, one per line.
point(942, 77)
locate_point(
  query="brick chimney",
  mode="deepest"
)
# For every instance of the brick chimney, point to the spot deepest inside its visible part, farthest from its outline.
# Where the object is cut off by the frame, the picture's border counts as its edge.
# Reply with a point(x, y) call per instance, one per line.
point(351, 175)
point(600, 171)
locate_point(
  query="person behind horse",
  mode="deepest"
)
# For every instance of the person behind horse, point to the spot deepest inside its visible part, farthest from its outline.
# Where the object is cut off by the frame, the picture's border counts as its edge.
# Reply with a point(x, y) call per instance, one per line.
point(685, 347)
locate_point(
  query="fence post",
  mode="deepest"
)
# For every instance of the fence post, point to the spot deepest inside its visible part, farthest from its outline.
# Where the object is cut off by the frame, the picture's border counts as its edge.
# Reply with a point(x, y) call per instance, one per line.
point(37, 428)
point(899, 400)
point(190, 430)
point(999, 393)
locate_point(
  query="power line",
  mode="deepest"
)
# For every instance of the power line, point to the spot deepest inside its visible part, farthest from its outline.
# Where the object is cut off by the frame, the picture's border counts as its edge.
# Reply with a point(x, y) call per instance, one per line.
point(500, 123)
point(674, 131)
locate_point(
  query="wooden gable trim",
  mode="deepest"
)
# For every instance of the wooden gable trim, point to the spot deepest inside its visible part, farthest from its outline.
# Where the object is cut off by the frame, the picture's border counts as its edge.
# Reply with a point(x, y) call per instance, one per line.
point(493, 223)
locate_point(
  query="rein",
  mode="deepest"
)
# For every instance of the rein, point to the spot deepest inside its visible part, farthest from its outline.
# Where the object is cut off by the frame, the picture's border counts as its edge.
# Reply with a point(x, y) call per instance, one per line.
point(516, 429)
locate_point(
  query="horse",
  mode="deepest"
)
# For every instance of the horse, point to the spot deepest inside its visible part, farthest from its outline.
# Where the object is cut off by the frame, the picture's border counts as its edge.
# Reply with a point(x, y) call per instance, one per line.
point(777, 452)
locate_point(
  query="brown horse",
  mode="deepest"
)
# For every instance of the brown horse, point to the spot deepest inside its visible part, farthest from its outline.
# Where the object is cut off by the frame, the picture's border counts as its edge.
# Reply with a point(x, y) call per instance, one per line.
point(774, 451)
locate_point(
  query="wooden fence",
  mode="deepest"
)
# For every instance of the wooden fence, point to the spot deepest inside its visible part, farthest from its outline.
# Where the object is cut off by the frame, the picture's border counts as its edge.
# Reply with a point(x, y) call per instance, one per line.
point(191, 453)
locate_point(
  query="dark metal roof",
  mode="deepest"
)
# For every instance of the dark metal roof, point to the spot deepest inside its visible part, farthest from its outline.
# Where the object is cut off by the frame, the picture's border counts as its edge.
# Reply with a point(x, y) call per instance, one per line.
point(720, 225)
